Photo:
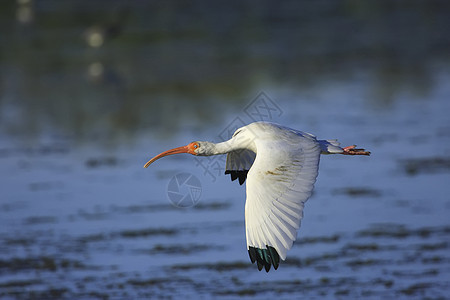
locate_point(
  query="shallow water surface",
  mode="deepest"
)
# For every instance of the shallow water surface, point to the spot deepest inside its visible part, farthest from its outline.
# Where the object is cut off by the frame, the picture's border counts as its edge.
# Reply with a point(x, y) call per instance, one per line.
point(89, 93)
point(85, 221)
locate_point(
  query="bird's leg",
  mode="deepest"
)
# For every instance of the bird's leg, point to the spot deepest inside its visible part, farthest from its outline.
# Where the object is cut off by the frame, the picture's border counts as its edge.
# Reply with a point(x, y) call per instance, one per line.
point(351, 150)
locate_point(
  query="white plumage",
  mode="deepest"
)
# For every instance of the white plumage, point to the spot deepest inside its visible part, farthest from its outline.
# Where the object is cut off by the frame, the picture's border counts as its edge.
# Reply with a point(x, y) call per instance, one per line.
point(280, 165)
point(277, 188)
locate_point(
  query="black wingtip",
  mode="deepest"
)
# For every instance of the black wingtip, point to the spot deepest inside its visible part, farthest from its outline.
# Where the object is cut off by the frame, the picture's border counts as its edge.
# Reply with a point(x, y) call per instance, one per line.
point(260, 265)
point(252, 254)
point(242, 179)
point(264, 257)
point(235, 174)
point(275, 258)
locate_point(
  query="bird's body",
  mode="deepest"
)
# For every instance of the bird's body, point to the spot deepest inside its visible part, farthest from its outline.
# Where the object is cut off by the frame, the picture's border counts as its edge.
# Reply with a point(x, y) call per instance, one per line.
point(280, 165)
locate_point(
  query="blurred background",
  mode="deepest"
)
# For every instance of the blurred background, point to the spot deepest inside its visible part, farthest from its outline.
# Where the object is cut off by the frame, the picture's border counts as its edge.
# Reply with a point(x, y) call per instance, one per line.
point(90, 90)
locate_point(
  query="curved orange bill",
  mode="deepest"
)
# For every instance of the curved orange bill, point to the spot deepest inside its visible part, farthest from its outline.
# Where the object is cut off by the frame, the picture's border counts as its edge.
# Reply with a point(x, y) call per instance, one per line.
point(183, 149)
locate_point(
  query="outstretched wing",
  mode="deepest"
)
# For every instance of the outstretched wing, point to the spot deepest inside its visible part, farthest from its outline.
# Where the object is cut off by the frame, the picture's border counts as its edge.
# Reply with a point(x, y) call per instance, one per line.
point(238, 164)
point(278, 184)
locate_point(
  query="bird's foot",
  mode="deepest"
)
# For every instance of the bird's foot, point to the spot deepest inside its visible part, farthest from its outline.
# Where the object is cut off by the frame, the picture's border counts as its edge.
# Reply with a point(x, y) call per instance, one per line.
point(352, 150)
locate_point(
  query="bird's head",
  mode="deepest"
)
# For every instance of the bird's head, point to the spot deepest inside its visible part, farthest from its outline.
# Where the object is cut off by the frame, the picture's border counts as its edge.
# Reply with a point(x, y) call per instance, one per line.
point(194, 148)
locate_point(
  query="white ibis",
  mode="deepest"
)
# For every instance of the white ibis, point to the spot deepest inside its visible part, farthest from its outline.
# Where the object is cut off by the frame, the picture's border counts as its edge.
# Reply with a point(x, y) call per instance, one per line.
point(280, 165)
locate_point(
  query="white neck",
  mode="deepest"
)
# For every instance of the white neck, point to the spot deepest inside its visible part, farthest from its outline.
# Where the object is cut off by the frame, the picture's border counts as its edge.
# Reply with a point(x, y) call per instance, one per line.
point(235, 143)
point(222, 148)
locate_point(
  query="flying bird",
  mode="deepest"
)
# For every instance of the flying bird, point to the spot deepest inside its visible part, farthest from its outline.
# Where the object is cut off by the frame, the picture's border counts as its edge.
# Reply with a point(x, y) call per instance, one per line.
point(280, 165)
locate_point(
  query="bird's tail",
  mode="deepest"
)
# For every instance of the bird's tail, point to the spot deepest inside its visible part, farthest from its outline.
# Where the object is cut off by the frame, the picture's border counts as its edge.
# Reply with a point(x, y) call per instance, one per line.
point(330, 146)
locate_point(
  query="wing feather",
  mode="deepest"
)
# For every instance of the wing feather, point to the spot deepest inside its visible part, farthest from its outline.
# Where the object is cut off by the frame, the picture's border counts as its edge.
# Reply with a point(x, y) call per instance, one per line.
point(238, 164)
point(279, 182)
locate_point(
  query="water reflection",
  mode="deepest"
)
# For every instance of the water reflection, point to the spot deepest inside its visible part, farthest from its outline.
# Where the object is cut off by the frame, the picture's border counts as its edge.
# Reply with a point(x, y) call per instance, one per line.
point(83, 66)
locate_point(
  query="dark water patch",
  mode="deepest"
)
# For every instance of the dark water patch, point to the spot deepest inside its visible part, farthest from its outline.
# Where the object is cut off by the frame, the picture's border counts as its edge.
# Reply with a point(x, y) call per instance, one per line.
point(45, 186)
point(388, 230)
point(131, 209)
point(91, 216)
point(50, 293)
point(355, 263)
point(94, 295)
point(19, 283)
point(357, 192)
point(213, 206)
point(417, 289)
point(13, 206)
point(432, 246)
point(127, 234)
point(151, 208)
point(402, 203)
point(340, 287)
point(415, 274)
point(149, 282)
point(18, 241)
point(363, 247)
point(98, 162)
point(12, 240)
point(40, 220)
point(159, 282)
point(177, 249)
point(239, 292)
point(435, 259)
point(319, 239)
point(139, 233)
point(384, 282)
point(43, 263)
point(428, 165)
point(219, 266)
point(44, 150)
point(258, 288)
point(323, 286)
point(92, 238)
point(342, 292)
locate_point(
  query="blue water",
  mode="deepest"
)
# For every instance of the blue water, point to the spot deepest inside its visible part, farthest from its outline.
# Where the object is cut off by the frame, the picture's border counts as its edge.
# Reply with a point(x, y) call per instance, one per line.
point(88, 221)
point(89, 92)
